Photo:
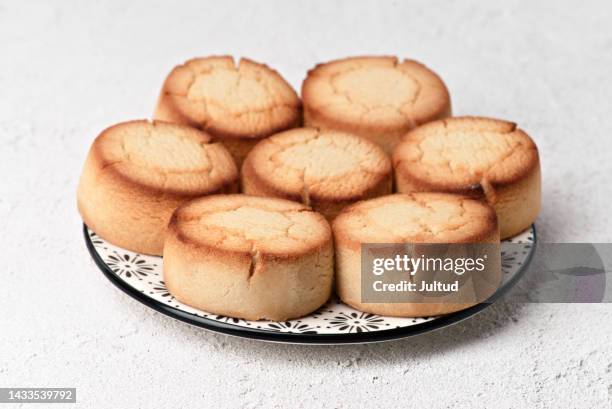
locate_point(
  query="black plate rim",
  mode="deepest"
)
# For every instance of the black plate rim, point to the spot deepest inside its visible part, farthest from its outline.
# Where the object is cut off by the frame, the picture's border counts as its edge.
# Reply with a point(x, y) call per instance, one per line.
point(297, 338)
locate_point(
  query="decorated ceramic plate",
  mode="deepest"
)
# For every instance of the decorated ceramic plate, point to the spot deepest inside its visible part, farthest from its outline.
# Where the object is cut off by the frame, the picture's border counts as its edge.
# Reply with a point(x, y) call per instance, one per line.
point(140, 276)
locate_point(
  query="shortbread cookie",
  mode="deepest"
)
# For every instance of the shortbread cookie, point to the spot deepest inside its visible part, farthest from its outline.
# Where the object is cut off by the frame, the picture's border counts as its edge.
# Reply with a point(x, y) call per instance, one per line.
point(249, 257)
point(484, 158)
point(408, 218)
point(138, 172)
point(380, 98)
point(326, 170)
point(238, 104)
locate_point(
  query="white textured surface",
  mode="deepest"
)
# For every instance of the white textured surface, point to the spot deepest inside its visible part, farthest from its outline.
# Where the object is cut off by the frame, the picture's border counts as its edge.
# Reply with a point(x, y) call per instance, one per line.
point(70, 69)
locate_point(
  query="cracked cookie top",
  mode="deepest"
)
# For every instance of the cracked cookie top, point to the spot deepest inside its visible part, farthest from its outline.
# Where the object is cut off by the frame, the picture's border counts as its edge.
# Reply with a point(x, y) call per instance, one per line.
point(250, 224)
point(464, 153)
point(381, 93)
point(244, 100)
point(417, 218)
point(165, 157)
point(310, 165)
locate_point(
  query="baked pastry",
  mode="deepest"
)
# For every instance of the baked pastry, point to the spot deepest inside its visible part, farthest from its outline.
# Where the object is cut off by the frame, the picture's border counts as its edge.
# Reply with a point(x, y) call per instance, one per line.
point(326, 170)
point(249, 257)
point(138, 172)
point(379, 98)
point(236, 104)
point(409, 218)
point(481, 157)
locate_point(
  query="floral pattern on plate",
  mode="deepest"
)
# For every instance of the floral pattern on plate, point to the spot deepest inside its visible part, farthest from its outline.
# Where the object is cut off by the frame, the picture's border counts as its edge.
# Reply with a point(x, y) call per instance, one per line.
point(144, 273)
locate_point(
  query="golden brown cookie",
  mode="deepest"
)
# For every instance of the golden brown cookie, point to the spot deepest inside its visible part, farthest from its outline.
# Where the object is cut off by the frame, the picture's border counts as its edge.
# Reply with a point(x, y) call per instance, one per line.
point(407, 218)
point(237, 104)
point(380, 98)
point(138, 172)
point(249, 257)
point(481, 157)
point(326, 170)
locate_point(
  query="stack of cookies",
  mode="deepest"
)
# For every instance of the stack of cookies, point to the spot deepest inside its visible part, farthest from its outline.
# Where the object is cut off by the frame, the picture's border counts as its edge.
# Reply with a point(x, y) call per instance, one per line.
point(259, 202)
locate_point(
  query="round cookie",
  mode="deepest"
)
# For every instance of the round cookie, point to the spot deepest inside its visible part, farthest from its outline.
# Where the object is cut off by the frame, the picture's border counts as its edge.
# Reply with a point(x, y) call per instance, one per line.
point(408, 218)
point(249, 257)
point(379, 98)
point(238, 104)
point(138, 172)
point(326, 170)
point(481, 157)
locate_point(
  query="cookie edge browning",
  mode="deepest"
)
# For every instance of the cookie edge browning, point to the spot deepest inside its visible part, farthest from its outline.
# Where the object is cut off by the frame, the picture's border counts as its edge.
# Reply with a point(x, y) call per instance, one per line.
point(254, 183)
point(348, 268)
point(187, 257)
point(519, 196)
point(239, 144)
point(126, 212)
point(385, 135)
point(490, 218)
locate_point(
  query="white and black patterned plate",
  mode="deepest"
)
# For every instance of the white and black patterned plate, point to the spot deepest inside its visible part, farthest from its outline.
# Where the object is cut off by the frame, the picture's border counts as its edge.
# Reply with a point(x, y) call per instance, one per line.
point(140, 276)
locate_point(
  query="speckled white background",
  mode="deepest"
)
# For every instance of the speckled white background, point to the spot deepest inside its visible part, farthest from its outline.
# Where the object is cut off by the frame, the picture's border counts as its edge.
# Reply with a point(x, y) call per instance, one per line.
point(69, 69)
